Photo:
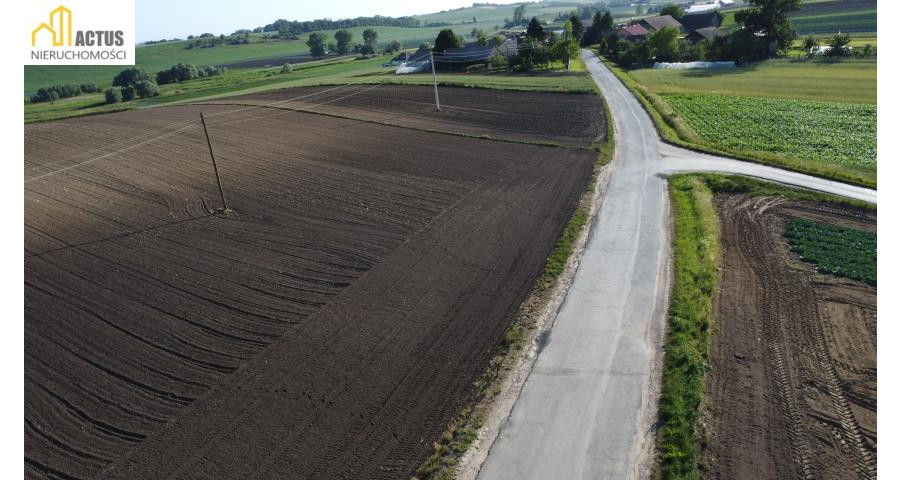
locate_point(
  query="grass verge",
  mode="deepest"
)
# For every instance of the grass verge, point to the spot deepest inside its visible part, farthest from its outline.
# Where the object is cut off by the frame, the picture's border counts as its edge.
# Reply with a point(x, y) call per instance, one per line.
point(674, 129)
point(695, 243)
point(462, 431)
point(695, 248)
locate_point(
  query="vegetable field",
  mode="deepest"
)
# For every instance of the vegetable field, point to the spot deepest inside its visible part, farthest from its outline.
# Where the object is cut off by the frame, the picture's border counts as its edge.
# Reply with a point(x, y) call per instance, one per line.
point(845, 252)
point(842, 133)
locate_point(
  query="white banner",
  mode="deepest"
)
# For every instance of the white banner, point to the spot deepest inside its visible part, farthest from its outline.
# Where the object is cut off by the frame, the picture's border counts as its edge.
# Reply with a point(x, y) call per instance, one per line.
point(79, 32)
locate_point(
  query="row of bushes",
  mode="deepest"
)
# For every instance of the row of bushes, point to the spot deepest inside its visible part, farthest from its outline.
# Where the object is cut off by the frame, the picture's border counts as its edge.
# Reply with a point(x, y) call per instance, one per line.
point(182, 72)
point(142, 88)
point(55, 92)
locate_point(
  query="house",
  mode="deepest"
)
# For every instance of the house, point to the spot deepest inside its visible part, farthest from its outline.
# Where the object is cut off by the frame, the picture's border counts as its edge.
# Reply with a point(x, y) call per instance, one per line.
point(653, 24)
point(702, 34)
point(633, 33)
point(726, 3)
point(696, 21)
point(706, 7)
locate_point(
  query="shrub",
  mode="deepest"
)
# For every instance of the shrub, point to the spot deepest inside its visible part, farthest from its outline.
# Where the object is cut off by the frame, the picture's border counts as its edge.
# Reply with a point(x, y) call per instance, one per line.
point(128, 93)
point(499, 62)
point(287, 68)
point(146, 89)
point(478, 67)
point(113, 94)
point(129, 76)
point(89, 87)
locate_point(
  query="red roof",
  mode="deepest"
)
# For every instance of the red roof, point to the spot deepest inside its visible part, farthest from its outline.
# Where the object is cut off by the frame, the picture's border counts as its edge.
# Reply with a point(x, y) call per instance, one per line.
point(636, 30)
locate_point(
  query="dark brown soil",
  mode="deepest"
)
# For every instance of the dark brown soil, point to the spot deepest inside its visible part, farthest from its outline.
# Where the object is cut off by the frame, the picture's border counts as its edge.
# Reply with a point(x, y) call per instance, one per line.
point(792, 383)
point(330, 327)
point(568, 119)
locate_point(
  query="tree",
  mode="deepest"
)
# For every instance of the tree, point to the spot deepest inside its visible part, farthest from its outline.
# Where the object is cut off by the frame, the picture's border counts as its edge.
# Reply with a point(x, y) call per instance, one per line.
point(370, 37)
point(810, 43)
point(287, 68)
point(394, 46)
point(674, 10)
point(129, 76)
point(316, 44)
point(663, 44)
point(128, 93)
point(606, 22)
point(519, 15)
point(839, 46)
point(577, 28)
point(535, 30)
point(113, 94)
point(639, 10)
point(566, 47)
point(769, 19)
point(146, 89)
point(479, 36)
point(343, 38)
point(446, 39)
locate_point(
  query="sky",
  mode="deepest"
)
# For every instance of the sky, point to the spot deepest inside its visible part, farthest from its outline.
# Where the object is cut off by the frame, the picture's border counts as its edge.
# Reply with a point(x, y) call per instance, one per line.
point(158, 19)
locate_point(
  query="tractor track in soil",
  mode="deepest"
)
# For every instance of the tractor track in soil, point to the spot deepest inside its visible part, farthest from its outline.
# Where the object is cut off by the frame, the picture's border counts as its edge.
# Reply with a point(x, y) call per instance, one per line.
point(795, 373)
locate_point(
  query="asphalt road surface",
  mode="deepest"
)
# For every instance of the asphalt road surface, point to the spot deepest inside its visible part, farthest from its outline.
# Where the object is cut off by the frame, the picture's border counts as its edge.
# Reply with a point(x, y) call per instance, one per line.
point(585, 409)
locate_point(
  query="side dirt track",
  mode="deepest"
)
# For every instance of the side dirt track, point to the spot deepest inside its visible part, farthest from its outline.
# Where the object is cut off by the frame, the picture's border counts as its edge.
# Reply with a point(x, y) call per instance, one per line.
point(330, 327)
point(791, 390)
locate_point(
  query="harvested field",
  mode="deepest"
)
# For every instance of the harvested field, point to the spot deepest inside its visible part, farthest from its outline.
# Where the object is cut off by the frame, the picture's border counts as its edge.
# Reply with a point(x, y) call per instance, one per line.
point(791, 390)
point(329, 327)
point(568, 119)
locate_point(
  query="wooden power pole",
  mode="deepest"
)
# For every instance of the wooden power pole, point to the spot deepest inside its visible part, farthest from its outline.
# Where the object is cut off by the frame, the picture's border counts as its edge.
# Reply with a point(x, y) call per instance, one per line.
point(213, 157)
point(437, 101)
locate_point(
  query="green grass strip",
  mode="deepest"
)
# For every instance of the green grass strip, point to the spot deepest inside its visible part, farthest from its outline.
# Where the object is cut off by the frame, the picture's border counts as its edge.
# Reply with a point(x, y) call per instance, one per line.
point(696, 252)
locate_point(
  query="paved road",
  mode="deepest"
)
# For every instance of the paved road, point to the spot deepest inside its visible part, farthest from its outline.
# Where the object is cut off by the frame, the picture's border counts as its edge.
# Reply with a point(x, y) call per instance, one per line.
point(583, 408)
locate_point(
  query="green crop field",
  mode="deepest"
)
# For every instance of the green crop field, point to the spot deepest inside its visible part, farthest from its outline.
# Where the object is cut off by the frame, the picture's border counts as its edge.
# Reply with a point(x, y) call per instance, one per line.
point(845, 252)
point(843, 81)
point(843, 133)
point(851, 21)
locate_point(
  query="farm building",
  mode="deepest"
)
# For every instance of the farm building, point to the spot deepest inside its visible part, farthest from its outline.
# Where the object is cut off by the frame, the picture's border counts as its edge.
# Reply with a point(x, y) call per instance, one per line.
point(472, 52)
point(702, 34)
point(706, 7)
point(726, 3)
point(417, 56)
point(696, 21)
point(633, 33)
point(655, 23)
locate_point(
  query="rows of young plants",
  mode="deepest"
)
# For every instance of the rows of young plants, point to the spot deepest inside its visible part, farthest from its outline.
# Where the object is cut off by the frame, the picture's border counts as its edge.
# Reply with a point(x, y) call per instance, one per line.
point(845, 252)
point(843, 133)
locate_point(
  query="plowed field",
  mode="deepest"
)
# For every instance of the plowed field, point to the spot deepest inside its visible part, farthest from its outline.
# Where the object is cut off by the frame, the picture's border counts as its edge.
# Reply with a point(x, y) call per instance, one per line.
point(329, 327)
point(792, 383)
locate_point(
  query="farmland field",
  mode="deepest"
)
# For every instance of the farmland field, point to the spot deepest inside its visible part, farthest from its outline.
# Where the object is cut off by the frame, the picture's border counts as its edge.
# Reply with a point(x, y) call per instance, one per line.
point(830, 132)
point(324, 72)
point(844, 252)
point(331, 325)
point(850, 81)
point(791, 385)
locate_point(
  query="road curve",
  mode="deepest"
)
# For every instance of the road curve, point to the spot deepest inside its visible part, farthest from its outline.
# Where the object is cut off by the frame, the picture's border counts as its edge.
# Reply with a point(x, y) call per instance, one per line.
point(584, 409)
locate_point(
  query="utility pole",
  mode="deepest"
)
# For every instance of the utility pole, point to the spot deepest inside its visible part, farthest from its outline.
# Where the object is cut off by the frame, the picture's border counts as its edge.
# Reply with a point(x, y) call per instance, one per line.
point(437, 101)
point(215, 168)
